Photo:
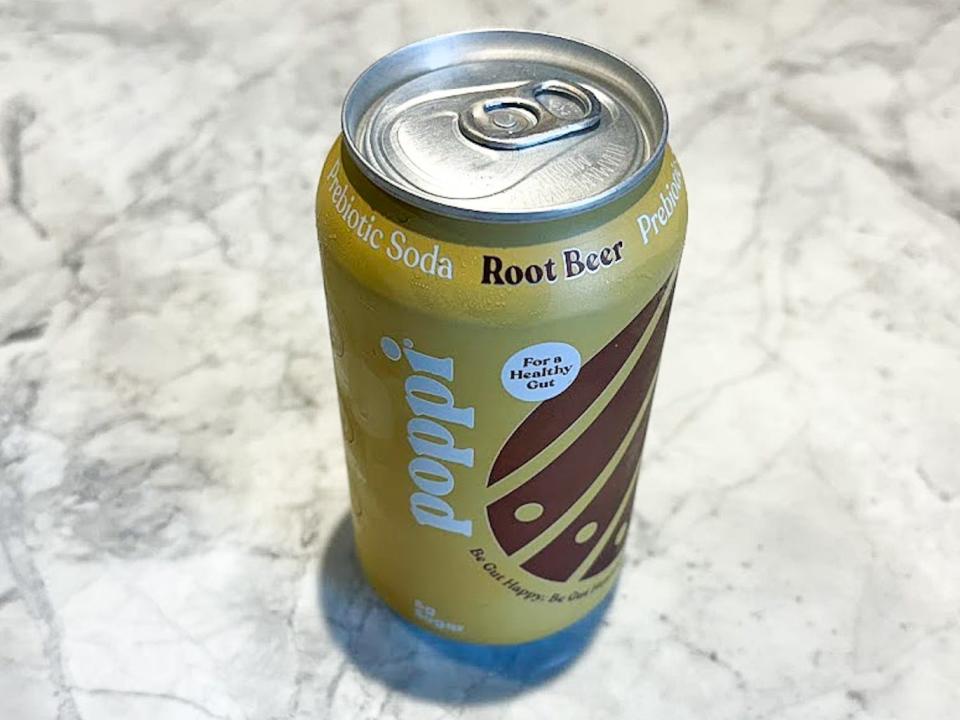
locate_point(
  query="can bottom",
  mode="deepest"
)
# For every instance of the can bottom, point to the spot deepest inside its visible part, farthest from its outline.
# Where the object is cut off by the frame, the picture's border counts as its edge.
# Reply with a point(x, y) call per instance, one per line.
point(582, 626)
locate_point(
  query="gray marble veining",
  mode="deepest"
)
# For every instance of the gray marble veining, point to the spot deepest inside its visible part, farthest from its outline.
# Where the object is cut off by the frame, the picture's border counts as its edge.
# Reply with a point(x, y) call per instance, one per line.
point(172, 490)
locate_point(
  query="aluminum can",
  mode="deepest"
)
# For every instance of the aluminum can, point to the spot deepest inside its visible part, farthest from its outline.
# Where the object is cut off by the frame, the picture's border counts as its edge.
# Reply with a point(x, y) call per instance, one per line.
point(500, 225)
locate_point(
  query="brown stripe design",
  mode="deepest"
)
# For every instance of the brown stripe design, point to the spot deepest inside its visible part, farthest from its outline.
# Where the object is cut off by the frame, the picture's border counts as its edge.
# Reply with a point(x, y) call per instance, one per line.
point(552, 417)
point(559, 559)
point(558, 486)
point(612, 549)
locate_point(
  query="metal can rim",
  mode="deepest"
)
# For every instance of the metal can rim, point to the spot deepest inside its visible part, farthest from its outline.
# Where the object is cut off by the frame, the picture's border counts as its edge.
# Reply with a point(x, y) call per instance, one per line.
point(453, 210)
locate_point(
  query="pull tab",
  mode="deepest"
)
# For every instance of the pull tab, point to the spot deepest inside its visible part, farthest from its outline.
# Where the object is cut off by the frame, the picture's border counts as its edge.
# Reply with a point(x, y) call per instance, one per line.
point(531, 114)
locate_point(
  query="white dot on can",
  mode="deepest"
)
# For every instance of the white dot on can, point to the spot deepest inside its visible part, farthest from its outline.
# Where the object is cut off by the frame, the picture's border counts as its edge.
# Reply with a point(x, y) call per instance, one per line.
point(390, 348)
point(586, 532)
point(528, 512)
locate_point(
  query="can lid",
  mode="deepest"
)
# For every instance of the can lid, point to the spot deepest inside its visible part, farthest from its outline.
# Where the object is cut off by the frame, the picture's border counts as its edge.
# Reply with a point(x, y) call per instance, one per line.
point(504, 125)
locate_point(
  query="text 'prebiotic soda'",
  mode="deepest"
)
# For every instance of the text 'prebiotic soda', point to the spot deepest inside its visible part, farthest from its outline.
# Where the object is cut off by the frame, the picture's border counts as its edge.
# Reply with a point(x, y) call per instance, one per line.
point(500, 225)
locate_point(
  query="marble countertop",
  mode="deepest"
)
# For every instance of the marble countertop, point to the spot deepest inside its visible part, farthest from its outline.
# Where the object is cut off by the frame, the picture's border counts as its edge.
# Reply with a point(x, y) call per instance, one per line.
point(173, 499)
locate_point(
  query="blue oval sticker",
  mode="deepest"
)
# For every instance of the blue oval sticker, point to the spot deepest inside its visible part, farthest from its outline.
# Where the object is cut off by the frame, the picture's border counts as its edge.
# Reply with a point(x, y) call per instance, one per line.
point(541, 371)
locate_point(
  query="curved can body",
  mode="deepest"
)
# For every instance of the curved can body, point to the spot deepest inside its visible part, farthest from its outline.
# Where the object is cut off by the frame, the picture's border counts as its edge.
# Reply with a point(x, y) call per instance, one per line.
point(495, 383)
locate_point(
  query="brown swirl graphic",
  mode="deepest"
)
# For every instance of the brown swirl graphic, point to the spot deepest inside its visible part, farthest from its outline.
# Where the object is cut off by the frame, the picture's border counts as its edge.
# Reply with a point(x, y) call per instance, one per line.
point(559, 559)
point(552, 417)
point(611, 551)
point(558, 486)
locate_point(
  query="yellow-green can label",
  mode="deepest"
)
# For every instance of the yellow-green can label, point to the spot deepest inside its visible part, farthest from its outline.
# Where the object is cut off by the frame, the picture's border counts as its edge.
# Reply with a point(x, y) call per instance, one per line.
point(495, 385)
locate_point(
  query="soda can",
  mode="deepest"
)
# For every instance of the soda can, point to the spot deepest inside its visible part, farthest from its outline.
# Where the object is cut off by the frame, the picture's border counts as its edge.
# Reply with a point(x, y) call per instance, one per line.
point(500, 225)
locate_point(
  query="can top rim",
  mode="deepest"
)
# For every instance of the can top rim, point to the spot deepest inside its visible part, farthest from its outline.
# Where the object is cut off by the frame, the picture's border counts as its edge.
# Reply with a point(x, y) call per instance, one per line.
point(351, 115)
